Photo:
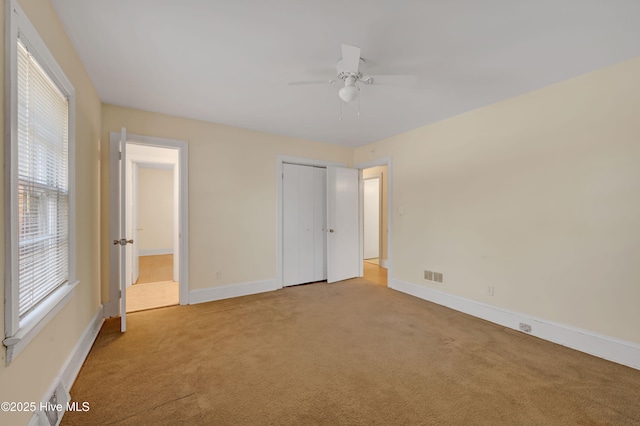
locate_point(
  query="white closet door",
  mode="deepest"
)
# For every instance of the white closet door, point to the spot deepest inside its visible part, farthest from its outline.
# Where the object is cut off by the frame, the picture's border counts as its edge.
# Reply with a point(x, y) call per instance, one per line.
point(299, 227)
point(306, 244)
point(320, 223)
point(291, 240)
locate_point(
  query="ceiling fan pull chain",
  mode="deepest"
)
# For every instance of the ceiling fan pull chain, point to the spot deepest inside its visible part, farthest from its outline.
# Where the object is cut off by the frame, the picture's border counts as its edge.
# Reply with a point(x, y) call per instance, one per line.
point(358, 103)
point(340, 110)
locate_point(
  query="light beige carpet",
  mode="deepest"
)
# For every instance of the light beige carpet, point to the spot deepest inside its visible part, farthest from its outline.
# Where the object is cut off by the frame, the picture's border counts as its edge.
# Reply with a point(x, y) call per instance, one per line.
point(350, 353)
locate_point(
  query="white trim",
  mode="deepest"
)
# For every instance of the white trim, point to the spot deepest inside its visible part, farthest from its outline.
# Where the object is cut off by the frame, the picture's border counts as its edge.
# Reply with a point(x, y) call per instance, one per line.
point(111, 308)
point(232, 290)
point(280, 160)
point(155, 252)
point(610, 348)
point(155, 166)
point(71, 367)
point(18, 332)
point(135, 222)
point(385, 161)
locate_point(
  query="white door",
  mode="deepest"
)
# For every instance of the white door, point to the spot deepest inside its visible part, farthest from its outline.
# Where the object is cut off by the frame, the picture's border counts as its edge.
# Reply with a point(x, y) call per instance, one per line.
point(320, 223)
point(343, 244)
point(371, 218)
point(122, 243)
point(304, 219)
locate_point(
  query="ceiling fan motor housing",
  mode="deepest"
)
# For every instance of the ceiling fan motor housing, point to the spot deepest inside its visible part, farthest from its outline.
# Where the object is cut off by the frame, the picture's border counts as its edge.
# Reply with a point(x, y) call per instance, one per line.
point(344, 74)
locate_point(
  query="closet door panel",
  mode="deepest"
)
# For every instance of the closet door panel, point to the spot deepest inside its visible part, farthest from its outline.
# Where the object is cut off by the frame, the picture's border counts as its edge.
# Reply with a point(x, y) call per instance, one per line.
point(300, 237)
point(306, 245)
point(290, 240)
point(320, 223)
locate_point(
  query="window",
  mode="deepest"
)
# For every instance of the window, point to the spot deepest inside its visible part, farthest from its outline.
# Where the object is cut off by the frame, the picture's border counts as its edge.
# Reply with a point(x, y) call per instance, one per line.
point(39, 167)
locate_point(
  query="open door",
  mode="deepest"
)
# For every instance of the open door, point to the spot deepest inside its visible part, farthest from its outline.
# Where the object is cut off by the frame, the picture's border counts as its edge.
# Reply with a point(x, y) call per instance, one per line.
point(343, 242)
point(122, 242)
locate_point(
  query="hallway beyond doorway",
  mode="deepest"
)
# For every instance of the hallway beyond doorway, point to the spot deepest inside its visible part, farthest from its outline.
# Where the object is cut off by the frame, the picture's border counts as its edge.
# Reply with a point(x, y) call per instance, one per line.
point(375, 273)
point(155, 287)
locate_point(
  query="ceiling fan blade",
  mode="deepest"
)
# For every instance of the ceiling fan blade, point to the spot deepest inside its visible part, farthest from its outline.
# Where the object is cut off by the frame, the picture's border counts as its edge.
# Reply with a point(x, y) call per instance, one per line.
point(350, 58)
point(310, 82)
point(389, 80)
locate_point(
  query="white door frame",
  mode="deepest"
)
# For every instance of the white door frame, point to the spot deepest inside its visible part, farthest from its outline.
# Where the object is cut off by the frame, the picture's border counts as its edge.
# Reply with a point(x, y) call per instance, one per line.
point(112, 308)
point(386, 161)
point(135, 221)
point(280, 160)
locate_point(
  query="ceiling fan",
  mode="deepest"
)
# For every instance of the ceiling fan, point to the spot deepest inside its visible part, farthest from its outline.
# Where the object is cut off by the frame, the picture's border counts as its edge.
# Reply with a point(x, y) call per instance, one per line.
point(347, 69)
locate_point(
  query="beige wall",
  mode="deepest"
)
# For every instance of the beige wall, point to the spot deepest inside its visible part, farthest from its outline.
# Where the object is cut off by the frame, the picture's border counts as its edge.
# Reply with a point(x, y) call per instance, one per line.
point(382, 172)
point(155, 208)
point(232, 192)
point(538, 196)
point(29, 375)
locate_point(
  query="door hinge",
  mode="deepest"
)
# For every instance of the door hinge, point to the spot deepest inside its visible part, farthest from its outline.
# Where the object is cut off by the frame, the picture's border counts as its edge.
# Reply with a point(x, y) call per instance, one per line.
point(122, 242)
point(119, 294)
point(119, 155)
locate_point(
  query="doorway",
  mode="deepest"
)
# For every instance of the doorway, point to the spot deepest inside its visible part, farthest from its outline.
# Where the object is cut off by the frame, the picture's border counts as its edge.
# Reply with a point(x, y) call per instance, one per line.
point(375, 202)
point(152, 276)
point(371, 217)
point(150, 268)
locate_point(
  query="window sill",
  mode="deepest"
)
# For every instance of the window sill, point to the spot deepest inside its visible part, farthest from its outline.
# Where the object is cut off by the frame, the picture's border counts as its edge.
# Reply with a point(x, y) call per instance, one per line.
point(35, 321)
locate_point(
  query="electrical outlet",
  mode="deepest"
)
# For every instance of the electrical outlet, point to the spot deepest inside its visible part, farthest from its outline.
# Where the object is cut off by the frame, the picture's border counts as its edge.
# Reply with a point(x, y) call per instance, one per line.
point(525, 327)
point(218, 275)
point(490, 290)
point(428, 275)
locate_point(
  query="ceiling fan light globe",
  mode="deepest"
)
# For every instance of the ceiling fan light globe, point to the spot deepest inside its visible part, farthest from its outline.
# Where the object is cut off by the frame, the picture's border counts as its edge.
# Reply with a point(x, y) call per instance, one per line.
point(348, 93)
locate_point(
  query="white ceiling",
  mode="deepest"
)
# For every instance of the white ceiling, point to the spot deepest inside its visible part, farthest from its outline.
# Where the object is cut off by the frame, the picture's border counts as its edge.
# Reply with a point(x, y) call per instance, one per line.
point(229, 61)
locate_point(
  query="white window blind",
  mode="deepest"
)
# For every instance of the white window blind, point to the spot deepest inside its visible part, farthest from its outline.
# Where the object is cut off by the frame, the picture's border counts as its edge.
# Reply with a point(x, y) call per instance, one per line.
point(43, 184)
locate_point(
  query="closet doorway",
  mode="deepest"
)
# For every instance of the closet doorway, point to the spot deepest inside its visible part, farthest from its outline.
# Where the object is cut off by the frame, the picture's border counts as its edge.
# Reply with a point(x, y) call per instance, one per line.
point(318, 222)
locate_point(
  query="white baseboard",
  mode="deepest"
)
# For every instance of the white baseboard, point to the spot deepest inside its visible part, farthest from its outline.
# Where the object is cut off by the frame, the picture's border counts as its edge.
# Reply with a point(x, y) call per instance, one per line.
point(231, 290)
point(610, 348)
point(383, 263)
point(154, 252)
point(72, 365)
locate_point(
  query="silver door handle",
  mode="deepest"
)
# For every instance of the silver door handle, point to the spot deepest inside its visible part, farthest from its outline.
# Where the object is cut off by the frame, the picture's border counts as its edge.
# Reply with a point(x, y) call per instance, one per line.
point(122, 242)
